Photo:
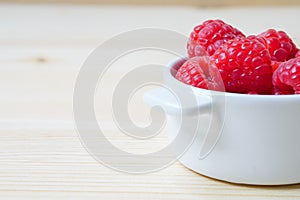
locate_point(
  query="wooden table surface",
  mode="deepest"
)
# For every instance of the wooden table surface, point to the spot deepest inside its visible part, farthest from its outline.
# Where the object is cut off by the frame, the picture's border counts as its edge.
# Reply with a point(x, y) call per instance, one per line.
point(42, 48)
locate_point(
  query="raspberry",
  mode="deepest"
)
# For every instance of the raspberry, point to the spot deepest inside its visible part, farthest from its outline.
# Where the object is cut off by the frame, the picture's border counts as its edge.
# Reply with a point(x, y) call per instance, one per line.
point(200, 72)
point(297, 54)
point(245, 66)
point(207, 37)
point(275, 64)
point(280, 45)
point(286, 79)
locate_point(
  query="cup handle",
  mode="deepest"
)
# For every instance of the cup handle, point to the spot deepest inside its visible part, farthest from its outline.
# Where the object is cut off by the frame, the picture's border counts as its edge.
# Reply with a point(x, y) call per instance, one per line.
point(168, 101)
point(165, 99)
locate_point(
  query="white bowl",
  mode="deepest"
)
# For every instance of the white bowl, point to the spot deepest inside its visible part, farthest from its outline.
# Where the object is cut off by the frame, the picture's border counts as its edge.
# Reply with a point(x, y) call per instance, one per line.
point(239, 138)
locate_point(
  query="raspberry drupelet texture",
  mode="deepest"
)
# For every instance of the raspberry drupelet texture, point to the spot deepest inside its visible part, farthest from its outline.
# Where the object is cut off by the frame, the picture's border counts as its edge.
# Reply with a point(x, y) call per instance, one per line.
point(297, 54)
point(275, 64)
point(286, 79)
point(206, 38)
point(245, 66)
point(189, 73)
point(200, 72)
point(280, 45)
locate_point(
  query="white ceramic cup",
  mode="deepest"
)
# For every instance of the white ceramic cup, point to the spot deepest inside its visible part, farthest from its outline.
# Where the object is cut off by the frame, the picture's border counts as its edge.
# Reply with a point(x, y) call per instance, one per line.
point(239, 138)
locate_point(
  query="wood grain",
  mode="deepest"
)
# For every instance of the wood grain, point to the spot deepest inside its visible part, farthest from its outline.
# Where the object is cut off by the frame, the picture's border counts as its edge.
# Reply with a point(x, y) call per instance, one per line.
point(41, 52)
point(195, 3)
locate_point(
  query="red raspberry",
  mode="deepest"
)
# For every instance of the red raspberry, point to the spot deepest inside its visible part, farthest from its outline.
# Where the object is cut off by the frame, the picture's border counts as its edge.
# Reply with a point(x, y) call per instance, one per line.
point(280, 45)
point(245, 66)
point(275, 64)
point(207, 37)
point(200, 72)
point(297, 54)
point(286, 79)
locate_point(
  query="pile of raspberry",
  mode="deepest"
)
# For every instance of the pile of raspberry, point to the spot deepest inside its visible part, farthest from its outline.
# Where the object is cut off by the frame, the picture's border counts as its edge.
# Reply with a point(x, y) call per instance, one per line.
point(267, 63)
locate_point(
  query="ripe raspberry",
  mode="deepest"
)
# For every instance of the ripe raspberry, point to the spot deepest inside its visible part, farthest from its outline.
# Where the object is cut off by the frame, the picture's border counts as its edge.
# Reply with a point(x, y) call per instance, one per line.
point(245, 66)
point(280, 45)
point(200, 72)
point(275, 64)
point(286, 79)
point(207, 37)
point(297, 54)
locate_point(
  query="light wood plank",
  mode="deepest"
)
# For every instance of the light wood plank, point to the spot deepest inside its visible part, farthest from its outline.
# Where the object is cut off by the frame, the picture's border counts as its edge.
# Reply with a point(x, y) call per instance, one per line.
point(196, 3)
point(41, 52)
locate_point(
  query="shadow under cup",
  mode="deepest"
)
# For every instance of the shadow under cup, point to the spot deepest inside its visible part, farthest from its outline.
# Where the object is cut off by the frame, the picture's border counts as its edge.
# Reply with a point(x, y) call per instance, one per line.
point(239, 138)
